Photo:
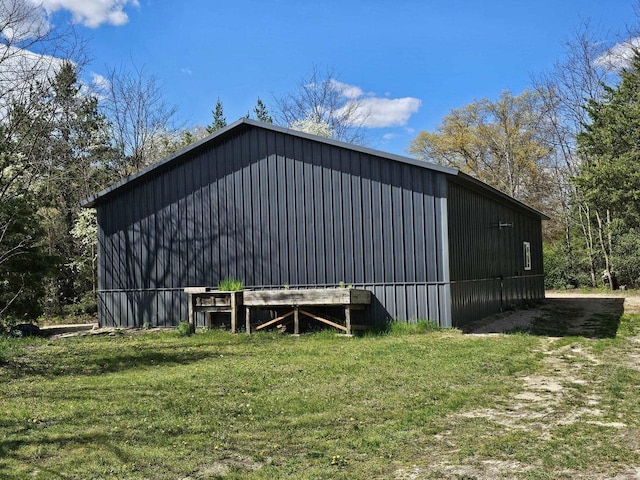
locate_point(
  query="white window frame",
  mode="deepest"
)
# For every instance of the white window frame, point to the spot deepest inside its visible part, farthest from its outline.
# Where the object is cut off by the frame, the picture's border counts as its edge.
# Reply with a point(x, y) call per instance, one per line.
point(526, 250)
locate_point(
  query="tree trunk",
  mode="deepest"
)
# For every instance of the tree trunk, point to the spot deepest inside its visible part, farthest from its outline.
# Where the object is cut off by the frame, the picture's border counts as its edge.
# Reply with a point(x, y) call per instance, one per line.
point(585, 225)
point(606, 252)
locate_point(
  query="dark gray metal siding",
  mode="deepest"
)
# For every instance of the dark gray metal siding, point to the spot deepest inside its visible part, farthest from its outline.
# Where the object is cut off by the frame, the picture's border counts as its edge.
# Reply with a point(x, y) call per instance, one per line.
point(487, 262)
point(274, 209)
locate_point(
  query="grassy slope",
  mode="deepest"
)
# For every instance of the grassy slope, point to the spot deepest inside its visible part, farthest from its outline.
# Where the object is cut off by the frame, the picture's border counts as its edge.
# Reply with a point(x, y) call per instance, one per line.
point(438, 405)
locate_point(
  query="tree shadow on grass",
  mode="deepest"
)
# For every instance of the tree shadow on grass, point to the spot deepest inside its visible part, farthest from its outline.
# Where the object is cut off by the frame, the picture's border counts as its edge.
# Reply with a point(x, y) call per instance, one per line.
point(9, 450)
point(594, 317)
point(99, 363)
point(585, 317)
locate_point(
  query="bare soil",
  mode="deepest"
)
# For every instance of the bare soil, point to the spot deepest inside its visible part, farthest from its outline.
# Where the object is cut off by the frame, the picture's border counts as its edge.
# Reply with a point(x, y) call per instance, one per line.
point(563, 314)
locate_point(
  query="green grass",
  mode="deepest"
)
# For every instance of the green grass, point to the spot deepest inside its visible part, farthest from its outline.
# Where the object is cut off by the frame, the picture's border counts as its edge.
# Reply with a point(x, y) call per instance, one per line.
point(404, 328)
point(230, 284)
point(217, 405)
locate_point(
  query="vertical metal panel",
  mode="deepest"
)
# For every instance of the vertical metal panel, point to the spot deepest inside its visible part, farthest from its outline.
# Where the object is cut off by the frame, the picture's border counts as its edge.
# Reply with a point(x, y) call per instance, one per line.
point(239, 229)
point(387, 217)
point(255, 276)
point(300, 249)
point(318, 214)
point(118, 251)
point(195, 207)
point(442, 242)
point(247, 223)
point(222, 214)
point(420, 220)
point(430, 234)
point(292, 208)
point(104, 275)
point(187, 242)
point(327, 206)
point(411, 303)
point(398, 212)
point(377, 247)
point(274, 213)
point(285, 214)
point(103, 256)
point(338, 193)
point(310, 226)
point(207, 264)
point(408, 219)
point(164, 234)
point(368, 255)
point(422, 302)
point(154, 232)
point(352, 212)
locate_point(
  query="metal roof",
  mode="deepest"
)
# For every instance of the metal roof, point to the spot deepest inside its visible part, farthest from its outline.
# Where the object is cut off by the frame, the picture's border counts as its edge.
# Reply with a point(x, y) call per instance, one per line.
point(246, 123)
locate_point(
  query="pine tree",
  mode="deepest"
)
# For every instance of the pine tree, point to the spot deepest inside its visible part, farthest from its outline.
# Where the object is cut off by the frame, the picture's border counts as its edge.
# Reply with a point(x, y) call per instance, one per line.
point(261, 112)
point(609, 181)
point(218, 118)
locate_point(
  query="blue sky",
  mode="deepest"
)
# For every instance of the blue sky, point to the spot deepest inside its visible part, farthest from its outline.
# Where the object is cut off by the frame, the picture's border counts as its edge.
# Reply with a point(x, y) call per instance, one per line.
point(433, 55)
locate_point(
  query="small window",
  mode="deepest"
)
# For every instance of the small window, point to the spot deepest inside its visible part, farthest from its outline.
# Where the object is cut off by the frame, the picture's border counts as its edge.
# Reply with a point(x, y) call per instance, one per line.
point(527, 255)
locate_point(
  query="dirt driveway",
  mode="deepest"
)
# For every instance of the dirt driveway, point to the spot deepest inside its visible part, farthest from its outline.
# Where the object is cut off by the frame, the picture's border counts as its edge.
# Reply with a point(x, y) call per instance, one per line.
point(574, 389)
point(594, 315)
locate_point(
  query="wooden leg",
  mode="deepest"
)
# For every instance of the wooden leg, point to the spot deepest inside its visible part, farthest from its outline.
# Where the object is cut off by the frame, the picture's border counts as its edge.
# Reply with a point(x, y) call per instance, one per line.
point(248, 320)
point(209, 320)
point(296, 322)
point(234, 312)
point(347, 318)
point(192, 313)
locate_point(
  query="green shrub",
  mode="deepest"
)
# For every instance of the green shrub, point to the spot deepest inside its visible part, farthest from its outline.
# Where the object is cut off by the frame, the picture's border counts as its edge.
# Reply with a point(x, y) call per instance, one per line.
point(86, 305)
point(563, 269)
point(184, 329)
point(627, 258)
point(230, 284)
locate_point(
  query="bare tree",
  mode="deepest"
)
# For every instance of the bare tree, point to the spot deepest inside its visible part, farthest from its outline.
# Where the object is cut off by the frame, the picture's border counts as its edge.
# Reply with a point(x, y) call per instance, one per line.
point(566, 90)
point(32, 52)
point(139, 116)
point(321, 99)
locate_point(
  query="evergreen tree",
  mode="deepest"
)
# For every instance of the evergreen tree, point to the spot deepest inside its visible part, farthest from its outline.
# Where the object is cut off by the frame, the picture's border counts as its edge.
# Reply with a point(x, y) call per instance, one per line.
point(609, 181)
point(261, 112)
point(218, 118)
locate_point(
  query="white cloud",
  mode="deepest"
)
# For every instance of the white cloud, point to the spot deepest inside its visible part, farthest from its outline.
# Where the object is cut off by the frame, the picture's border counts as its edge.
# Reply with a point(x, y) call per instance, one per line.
point(21, 21)
point(21, 66)
point(346, 90)
point(186, 70)
point(99, 81)
point(19, 69)
point(91, 13)
point(620, 55)
point(389, 136)
point(387, 112)
point(375, 112)
point(99, 86)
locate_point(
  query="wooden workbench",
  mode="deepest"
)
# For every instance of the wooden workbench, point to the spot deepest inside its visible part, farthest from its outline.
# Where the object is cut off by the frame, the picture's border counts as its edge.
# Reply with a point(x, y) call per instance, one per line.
point(298, 299)
point(210, 300)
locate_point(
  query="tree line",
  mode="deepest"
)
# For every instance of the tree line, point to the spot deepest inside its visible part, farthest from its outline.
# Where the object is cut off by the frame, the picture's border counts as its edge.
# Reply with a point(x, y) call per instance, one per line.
point(568, 146)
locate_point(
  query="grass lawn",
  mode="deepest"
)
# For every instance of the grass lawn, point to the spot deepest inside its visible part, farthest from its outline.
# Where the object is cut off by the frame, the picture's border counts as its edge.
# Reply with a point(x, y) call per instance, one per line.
point(433, 405)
